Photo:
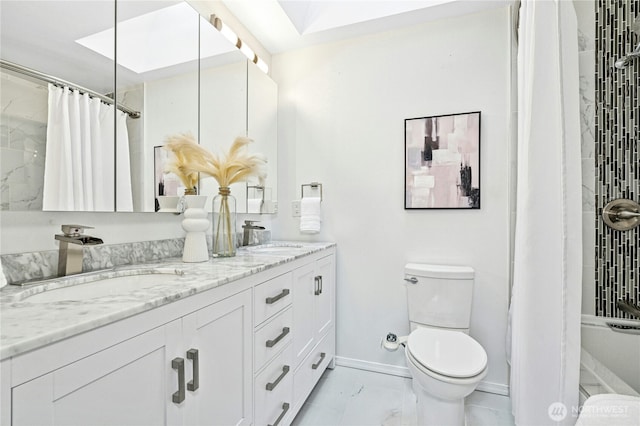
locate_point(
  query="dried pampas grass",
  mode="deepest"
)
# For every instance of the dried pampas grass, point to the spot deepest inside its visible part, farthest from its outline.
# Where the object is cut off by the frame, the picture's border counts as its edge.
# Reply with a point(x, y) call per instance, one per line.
point(237, 165)
point(180, 164)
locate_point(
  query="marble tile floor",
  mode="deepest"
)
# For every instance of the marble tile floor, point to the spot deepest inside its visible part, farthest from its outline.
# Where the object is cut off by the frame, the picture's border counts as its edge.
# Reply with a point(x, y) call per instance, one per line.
point(351, 397)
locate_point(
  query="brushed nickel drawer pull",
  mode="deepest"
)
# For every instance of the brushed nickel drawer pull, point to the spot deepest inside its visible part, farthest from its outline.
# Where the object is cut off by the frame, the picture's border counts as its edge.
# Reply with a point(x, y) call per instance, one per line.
point(272, 343)
point(178, 364)
point(285, 408)
point(317, 364)
point(194, 384)
point(317, 289)
point(271, 386)
point(274, 299)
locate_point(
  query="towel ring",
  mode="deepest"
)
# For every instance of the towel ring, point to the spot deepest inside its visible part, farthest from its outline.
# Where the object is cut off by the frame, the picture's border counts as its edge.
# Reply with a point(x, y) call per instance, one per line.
point(313, 185)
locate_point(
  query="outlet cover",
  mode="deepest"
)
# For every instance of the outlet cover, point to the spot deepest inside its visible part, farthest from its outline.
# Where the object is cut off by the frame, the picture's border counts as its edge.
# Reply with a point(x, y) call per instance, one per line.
point(295, 208)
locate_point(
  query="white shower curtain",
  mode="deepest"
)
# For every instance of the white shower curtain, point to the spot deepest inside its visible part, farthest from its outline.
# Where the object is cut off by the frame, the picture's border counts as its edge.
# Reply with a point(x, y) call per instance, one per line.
point(546, 295)
point(79, 162)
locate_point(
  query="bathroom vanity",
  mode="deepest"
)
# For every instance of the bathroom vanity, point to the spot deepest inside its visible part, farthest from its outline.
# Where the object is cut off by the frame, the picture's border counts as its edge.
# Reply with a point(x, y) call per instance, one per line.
point(241, 340)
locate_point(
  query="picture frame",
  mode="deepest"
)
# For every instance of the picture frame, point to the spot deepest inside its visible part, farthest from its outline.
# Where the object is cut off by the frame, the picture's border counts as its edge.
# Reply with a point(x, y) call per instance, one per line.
point(442, 161)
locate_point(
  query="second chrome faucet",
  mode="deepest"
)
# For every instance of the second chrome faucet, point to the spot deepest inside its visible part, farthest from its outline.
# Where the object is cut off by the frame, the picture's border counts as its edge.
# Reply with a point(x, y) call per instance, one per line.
point(249, 236)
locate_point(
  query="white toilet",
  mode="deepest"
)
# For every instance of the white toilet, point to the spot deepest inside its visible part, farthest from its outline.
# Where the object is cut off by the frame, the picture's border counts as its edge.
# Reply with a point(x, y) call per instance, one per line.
point(446, 364)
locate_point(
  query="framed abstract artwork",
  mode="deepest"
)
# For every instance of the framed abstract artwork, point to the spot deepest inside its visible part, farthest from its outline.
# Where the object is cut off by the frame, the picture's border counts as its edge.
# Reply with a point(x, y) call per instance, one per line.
point(442, 162)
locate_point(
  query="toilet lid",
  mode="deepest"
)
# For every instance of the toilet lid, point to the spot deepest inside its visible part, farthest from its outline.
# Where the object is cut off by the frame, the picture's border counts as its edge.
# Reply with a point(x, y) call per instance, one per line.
point(447, 352)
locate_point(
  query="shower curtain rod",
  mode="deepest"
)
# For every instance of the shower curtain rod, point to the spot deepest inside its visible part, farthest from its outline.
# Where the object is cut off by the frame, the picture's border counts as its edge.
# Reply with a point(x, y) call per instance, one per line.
point(59, 82)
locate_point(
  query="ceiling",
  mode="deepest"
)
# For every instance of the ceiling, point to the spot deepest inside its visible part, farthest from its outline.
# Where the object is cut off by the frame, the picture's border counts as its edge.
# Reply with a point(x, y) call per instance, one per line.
point(282, 25)
point(54, 47)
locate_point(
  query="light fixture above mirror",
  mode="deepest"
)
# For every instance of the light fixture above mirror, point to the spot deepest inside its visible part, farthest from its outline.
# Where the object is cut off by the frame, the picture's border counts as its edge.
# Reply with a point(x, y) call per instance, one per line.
point(247, 51)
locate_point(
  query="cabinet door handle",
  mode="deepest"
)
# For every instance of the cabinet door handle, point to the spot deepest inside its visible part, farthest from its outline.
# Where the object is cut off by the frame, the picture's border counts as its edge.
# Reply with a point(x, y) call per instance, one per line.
point(272, 343)
point(317, 364)
point(317, 285)
point(178, 364)
point(321, 284)
point(194, 384)
point(274, 299)
point(285, 408)
point(271, 386)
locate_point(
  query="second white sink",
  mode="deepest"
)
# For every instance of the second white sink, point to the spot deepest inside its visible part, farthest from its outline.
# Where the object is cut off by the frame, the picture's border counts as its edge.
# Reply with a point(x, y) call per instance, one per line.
point(274, 248)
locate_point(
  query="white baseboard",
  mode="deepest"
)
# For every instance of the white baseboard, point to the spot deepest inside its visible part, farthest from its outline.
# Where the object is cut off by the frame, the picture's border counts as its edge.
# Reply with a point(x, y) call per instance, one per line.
point(396, 370)
point(490, 387)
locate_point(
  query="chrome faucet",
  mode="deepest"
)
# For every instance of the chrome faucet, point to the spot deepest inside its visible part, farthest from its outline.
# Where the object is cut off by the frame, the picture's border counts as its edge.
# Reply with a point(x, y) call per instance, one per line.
point(249, 237)
point(72, 241)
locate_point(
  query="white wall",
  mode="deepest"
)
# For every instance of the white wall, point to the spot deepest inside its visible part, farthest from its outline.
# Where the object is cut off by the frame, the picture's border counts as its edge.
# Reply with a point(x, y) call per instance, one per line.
point(341, 122)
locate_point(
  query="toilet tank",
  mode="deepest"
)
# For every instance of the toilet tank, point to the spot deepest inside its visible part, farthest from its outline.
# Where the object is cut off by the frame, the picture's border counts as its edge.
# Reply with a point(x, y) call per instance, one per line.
point(439, 295)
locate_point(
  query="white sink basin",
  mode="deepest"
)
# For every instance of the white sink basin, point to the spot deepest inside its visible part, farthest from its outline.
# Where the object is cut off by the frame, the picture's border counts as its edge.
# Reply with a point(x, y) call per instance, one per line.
point(274, 248)
point(113, 286)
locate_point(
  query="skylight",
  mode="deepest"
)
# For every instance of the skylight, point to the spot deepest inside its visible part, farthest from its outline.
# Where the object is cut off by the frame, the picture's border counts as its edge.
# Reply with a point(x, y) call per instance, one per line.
point(159, 39)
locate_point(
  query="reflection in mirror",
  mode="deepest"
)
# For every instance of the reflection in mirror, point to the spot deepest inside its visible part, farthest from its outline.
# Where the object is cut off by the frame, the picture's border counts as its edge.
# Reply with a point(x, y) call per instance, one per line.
point(29, 37)
point(223, 105)
point(157, 72)
point(262, 127)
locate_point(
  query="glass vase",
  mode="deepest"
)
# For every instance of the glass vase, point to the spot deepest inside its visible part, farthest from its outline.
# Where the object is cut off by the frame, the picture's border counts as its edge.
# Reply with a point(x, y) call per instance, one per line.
point(224, 224)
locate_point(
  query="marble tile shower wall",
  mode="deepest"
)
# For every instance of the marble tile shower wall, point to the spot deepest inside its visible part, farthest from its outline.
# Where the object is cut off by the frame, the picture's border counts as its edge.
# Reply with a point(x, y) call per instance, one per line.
point(585, 11)
point(23, 129)
point(617, 174)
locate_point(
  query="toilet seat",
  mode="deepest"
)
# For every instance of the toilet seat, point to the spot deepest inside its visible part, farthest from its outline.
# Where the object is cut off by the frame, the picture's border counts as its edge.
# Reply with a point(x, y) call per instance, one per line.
point(441, 378)
point(447, 353)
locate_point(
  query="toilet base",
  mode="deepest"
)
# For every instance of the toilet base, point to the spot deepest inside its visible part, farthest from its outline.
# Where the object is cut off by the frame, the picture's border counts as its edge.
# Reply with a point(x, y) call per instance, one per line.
point(433, 411)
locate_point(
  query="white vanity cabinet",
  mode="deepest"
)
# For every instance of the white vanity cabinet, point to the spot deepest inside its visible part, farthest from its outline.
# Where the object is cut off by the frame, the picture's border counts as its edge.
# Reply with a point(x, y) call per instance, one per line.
point(125, 384)
point(273, 384)
point(246, 352)
point(314, 319)
point(192, 370)
point(221, 336)
point(297, 311)
point(313, 305)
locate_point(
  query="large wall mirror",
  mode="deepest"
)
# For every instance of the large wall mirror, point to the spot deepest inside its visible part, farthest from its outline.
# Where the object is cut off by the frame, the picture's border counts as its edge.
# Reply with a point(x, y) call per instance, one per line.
point(174, 74)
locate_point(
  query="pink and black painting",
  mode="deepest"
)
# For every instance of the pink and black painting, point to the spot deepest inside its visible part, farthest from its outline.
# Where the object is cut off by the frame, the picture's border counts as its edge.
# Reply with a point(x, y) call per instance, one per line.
point(442, 162)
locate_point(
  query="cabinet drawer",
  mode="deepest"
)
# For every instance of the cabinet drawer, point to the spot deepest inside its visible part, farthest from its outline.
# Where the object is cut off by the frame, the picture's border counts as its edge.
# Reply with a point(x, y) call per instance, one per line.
point(271, 296)
point(271, 338)
point(274, 388)
point(311, 368)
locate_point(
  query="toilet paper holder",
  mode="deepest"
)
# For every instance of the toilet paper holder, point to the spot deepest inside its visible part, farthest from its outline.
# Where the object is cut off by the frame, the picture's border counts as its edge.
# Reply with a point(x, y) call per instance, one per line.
point(392, 342)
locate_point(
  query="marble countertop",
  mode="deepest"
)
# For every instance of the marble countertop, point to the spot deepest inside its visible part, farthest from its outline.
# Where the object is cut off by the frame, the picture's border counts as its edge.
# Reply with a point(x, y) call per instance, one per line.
point(26, 325)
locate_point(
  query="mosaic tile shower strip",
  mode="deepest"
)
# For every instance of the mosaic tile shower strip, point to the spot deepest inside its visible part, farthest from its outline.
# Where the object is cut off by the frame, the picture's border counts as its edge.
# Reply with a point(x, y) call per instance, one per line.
point(617, 144)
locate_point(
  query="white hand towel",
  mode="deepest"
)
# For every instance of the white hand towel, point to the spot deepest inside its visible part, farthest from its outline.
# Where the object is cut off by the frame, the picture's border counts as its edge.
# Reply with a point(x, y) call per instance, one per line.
point(310, 215)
